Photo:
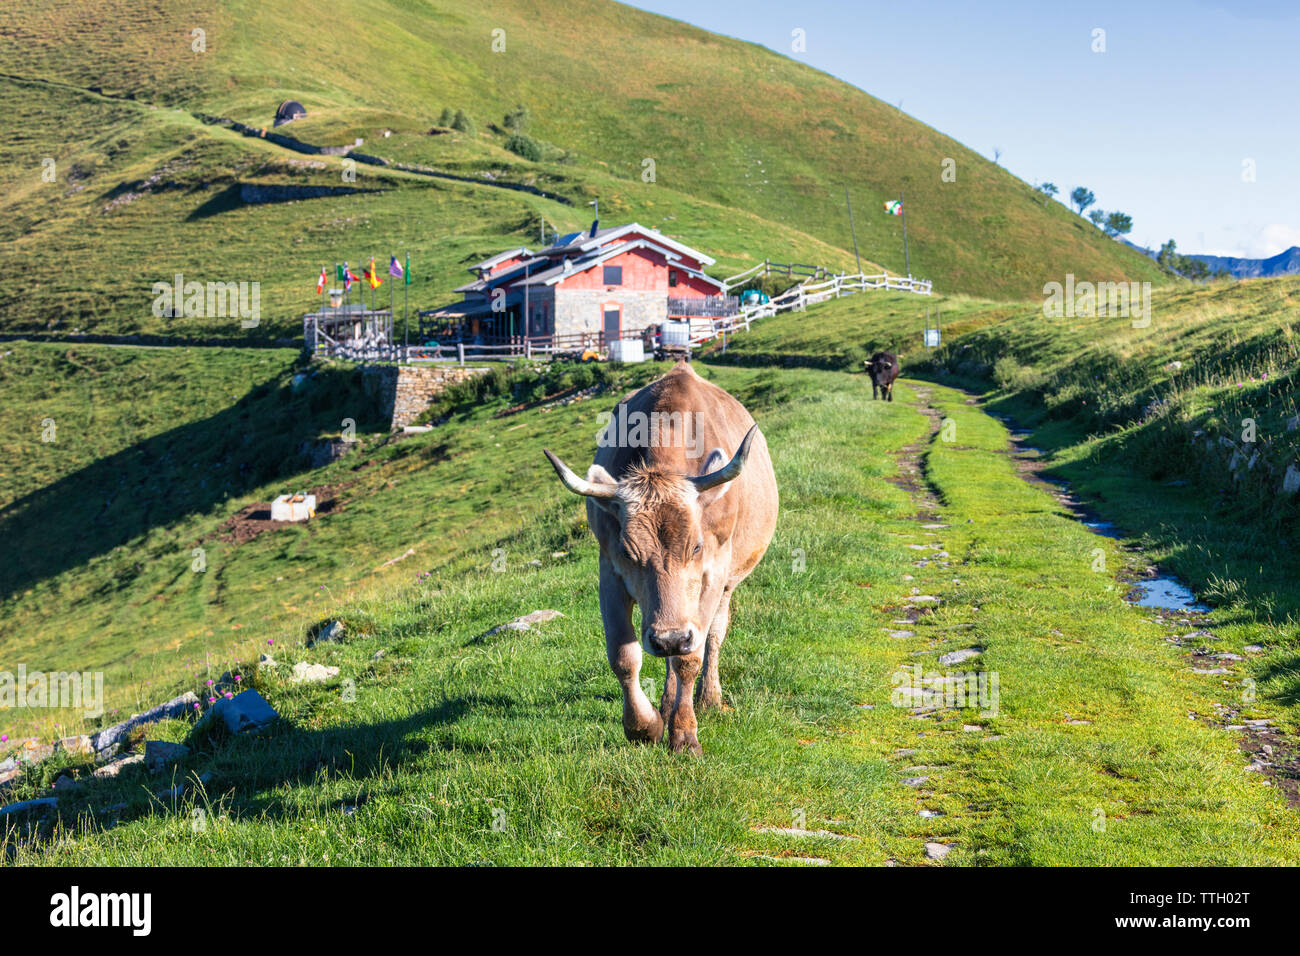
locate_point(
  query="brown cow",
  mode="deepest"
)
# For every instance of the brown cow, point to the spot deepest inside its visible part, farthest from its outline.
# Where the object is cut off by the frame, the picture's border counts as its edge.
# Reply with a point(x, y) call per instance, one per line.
point(883, 368)
point(678, 529)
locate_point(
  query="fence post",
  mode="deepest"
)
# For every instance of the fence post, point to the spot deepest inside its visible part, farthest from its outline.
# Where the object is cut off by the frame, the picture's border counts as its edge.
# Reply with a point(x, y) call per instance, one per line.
point(460, 352)
point(528, 349)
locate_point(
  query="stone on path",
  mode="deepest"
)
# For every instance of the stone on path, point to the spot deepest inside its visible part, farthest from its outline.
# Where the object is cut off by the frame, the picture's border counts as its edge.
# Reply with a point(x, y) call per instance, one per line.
point(797, 860)
point(915, 782)
point(899, 634)
point(937, 851)
point(802, 832)
point(956, 657)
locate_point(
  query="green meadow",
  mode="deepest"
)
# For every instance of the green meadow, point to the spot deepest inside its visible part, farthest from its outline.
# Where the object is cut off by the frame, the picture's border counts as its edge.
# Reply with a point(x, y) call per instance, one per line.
point(441, 743)
point(134, 481)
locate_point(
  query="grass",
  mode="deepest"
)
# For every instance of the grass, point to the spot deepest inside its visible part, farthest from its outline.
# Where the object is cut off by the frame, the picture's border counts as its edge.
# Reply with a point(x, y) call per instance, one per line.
point(454, 747)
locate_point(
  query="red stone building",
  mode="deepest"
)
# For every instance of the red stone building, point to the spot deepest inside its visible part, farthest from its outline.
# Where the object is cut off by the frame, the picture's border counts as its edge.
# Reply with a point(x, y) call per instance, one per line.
point(594, 286)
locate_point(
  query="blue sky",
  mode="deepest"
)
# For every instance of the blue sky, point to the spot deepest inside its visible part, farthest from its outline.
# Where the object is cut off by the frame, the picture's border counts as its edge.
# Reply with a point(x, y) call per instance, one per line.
point(1158, 126)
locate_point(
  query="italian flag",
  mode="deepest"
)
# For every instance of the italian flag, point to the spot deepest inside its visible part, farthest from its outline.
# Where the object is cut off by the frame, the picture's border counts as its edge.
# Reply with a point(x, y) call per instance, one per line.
point(894, 207)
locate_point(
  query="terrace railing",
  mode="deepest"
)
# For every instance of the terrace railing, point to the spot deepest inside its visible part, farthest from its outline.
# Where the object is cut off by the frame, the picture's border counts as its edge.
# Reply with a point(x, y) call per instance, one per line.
point(706, 306)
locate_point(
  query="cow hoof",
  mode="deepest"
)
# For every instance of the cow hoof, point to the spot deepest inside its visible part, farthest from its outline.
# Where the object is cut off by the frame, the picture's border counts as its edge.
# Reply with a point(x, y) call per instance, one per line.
point(645, 733)
point(712, 702)
point(686, 743)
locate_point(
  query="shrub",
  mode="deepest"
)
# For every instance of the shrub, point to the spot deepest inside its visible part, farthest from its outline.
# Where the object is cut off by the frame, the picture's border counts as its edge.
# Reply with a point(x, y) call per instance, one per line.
point(463, 124)
point(518, 119)
point(525, 146)
point(1008, 373)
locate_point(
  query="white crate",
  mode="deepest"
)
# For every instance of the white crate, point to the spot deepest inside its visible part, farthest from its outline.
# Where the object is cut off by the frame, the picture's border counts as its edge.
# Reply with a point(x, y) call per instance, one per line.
point(297, 507)
point(627, 350)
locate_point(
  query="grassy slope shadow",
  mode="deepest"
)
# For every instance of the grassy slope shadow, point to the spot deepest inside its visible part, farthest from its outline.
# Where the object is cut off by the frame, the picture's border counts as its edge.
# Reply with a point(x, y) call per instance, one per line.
point(185, 471)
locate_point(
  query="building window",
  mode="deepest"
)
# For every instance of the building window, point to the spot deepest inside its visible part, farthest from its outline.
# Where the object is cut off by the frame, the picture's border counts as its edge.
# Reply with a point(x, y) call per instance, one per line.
point(613, 275)
point(672, 277)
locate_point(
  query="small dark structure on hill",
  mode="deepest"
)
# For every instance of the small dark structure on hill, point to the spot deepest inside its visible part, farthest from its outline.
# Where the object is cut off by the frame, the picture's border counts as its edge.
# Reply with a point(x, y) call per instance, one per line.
point(289, 111)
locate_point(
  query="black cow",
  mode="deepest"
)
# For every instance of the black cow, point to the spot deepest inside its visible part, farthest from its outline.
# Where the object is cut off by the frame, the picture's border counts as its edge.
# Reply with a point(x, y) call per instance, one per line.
point(883, 369)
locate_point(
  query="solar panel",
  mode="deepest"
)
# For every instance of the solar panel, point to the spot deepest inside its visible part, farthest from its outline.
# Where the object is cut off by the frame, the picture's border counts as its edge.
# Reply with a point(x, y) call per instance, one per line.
point(567, 238)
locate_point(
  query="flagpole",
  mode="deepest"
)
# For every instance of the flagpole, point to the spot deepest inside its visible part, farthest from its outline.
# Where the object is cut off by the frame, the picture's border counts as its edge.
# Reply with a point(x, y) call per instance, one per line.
point(907, 260)
point(848, 202)
point(406, 301)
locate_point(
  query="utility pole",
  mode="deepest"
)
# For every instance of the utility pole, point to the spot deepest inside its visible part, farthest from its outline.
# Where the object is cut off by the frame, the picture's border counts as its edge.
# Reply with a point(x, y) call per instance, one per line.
point(854, 230)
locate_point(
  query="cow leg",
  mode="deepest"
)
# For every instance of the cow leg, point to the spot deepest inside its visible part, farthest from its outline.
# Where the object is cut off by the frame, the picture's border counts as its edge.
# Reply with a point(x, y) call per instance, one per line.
point(669, 697)
point(709, 694)
point(874, 390)
point(641, 722)
point(681, 724)
point(889, 392)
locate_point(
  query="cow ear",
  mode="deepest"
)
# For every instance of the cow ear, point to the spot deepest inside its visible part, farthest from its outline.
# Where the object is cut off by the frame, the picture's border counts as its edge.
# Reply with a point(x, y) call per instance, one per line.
point(712, 462)
point(597, 475)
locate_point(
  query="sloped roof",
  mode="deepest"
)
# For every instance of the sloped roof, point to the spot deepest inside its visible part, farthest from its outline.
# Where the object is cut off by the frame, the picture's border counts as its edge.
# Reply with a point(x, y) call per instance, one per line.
point(573, 266)
point(505, 275)
point(585, 242)
point(499, 257)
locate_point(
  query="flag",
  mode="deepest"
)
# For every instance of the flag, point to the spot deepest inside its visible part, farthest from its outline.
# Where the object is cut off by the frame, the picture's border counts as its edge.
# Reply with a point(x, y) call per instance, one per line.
point(407, 271)
point(394, 267)
point(894, 207)
point(339, 272)
point(348, 278)
point(371, 275)
point(320, 283)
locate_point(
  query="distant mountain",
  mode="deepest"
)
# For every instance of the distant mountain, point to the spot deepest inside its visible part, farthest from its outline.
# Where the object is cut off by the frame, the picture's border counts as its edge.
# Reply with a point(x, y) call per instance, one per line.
point(1283, 264)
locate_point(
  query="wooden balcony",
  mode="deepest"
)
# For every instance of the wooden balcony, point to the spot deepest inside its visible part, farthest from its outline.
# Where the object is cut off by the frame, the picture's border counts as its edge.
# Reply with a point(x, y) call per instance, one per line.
point(704, 306)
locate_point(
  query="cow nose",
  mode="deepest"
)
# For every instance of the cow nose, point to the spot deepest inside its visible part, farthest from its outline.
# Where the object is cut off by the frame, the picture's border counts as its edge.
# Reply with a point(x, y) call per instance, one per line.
point(670, 643)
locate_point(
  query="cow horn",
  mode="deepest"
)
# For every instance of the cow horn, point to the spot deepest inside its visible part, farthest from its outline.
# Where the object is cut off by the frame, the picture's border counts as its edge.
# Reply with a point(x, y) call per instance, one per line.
point(579, 486)
point(731, 469)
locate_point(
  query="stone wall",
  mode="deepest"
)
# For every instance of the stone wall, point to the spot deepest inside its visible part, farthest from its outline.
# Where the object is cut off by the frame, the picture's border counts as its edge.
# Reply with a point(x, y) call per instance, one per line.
point(405, 391)
point(582, 310)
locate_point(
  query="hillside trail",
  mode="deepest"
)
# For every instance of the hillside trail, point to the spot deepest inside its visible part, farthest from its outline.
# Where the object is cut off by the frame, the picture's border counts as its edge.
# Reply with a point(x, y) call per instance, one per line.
point(1265, 753)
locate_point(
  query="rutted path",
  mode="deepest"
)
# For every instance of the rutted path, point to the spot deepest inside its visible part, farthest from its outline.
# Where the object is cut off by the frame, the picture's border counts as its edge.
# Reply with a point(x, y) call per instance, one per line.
point(1188, 623)
point(1094, 711)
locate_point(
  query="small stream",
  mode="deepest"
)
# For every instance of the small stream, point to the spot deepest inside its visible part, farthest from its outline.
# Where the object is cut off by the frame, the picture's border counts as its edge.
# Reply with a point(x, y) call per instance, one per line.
point(1163, 591)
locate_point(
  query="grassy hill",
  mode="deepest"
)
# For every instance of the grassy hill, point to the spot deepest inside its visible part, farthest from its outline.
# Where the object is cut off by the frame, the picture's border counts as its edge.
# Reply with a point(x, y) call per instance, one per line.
point(751, 150)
